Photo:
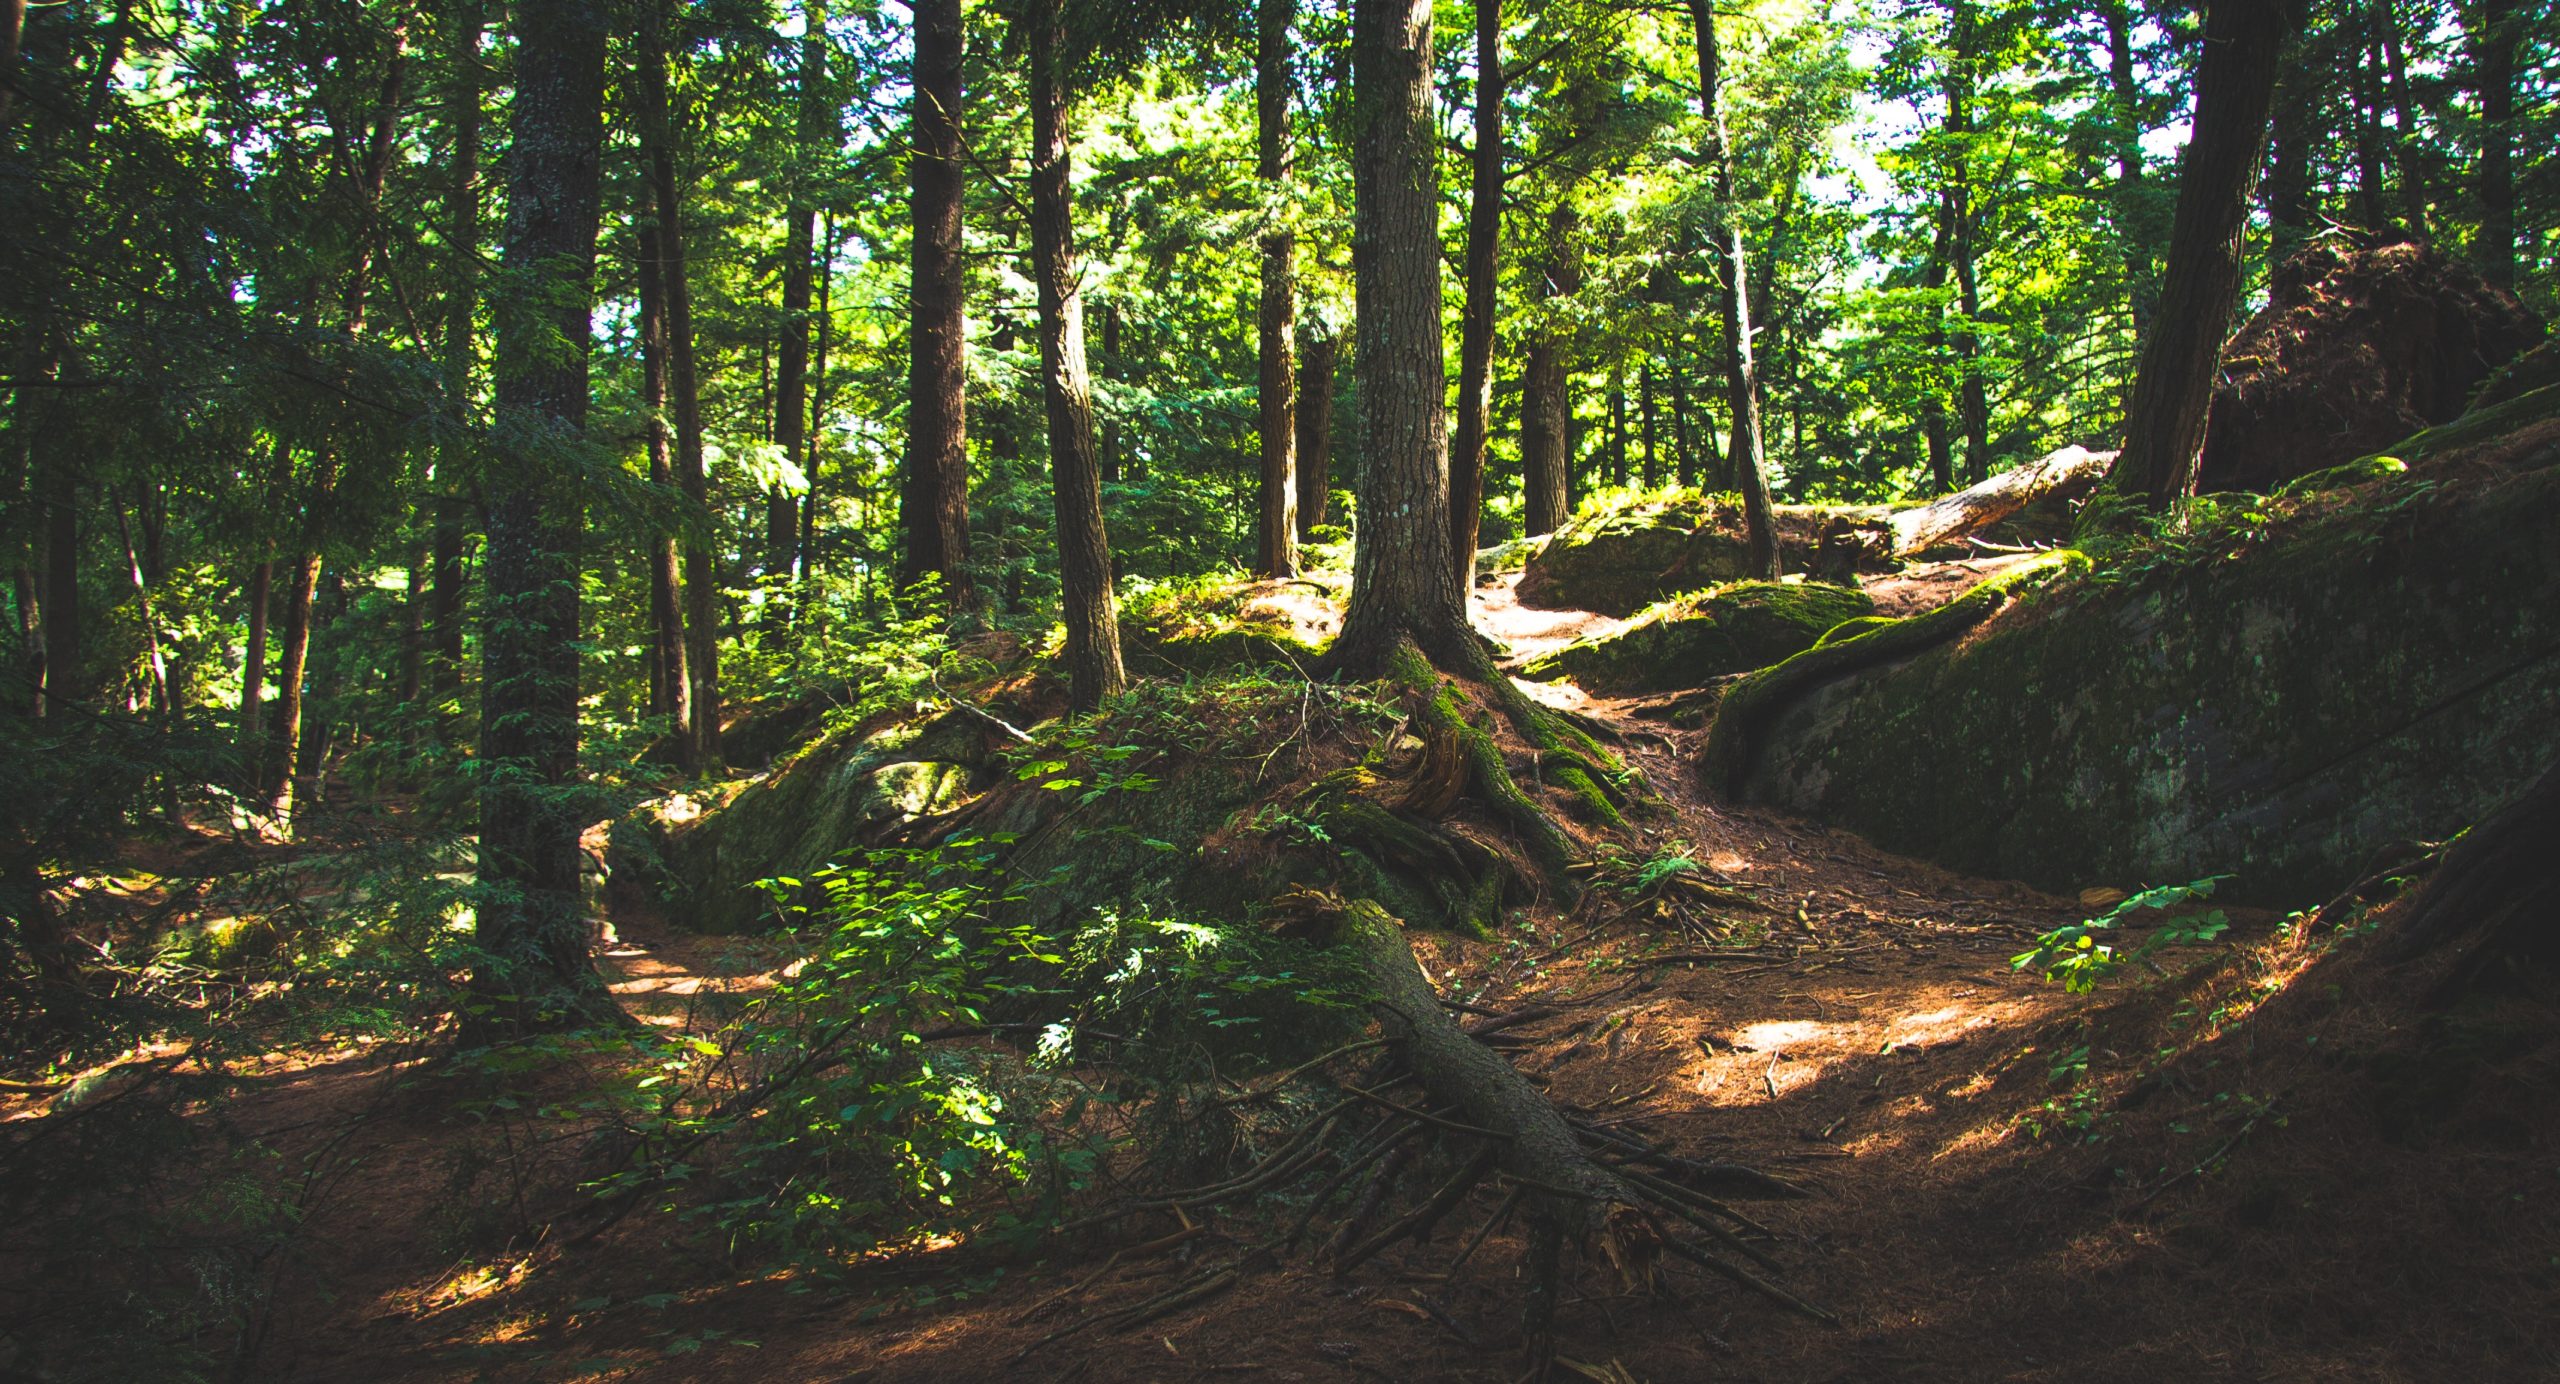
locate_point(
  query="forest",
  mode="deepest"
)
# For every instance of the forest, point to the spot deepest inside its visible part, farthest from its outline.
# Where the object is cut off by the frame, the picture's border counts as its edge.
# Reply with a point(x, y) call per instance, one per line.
point(1411, 690)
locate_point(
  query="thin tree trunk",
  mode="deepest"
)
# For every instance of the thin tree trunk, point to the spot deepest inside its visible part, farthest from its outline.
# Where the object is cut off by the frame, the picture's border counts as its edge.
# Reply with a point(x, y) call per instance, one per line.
point(2131, 225)
point(284, 748)
point(2288, 184)
point(1315, 431)
point(800, 218)
point(1110, 365)
point(65, 634)
point(1276, 548)
point(462, 244)
point(934, 505)
point(253, 677)
point(1617, 425)
point(536, 970)
point(2493, 34)
point(1483, 270)
point(1742, 388)
point(1645, 416)
point(825, 325)
point(1404, 581)
point(2366, 106)
point(2405, 153)
point(1092, 613)
point(671, 685)
point(1684, 462)
point(2235, 90)
point(658, 133)
point(1970, 400)
point(1546, 402)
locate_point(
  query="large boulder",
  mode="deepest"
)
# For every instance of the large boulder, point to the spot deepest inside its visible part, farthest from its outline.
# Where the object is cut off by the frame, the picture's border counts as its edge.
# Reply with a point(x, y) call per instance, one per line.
point(2359, 346)
point(2284, 710)
point(1690, 640)
point(1619, 560)
point(820, 806)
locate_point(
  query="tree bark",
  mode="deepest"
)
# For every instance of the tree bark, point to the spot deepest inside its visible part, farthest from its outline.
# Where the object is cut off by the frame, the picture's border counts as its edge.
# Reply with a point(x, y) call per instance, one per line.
point(1404, 581)
point(1092, 612)
point(934, 503)
point(2497, 889)
point(670, 685)
point(1483, 270)
point(2131, 225)
point(1617, 425)
point(253, 677)
point(1645, 420)
point(800, 219)
point(1315, 431)
point(2200, 284)
point(658, 133)
point(1742, 387)
point(823, 328)
point(536, 972)
point(1971, 402)
point(1987, 502)
point(1684, 461)
point(2492, 30)
point(1546, 384)
point(1276, 552)
point(462, 247)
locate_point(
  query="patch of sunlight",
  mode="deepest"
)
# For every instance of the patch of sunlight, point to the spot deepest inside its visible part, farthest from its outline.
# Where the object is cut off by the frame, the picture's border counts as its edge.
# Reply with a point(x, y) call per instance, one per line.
point(1726, 863)
point(680, 807)
point(1780, 1034)
point(1563, 696)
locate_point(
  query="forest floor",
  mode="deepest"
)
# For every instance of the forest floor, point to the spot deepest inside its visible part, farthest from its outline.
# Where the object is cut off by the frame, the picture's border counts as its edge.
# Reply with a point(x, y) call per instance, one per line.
point(2260, 1164)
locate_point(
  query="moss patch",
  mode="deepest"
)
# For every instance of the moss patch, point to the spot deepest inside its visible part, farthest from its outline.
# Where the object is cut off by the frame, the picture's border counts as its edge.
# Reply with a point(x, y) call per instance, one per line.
point(2279, 711)
point(1689, 640)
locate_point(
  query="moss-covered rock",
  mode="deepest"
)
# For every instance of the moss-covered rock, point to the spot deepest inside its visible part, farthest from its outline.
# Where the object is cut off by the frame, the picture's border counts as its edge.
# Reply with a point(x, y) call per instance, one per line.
point(1688, 640)
point(812, 809)
point(2362, 471)
point(1613, 560)
point(2282, 714)
point(1617, 559)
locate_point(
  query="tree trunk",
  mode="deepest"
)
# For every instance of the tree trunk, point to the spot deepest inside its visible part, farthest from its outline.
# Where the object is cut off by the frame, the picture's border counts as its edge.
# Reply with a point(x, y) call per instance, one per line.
point(1617, 425)
point(462, 245)
point(670, 685)
point(2131, 225)
point(1084, 552)
point(1970, 400)
point(253, 678)
point(1483, 269)
point(1645, 420)
point(658, 132)
point(1315, 431)
point(65, 636)
point(1546, 391)
point(934, 503)
point(810, 496)
point(535, 970)
point(1742, 388)
point(2288, 190)
point(2366, 107)
point(2200, 284)
point(1110, 365)
point(1684, 461)
point(1276, 552)
point(284, 746)
point(2497, 888)
point(799, 225)
point(1404, 581)
point(2493, 32)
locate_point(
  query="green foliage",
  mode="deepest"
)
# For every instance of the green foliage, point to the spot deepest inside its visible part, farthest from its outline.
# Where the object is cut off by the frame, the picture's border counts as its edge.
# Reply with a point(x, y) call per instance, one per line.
point(2076, 957)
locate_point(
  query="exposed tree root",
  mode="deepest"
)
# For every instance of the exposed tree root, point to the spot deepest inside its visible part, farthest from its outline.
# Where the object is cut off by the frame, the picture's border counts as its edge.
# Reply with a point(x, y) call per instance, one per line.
point(2498, 890)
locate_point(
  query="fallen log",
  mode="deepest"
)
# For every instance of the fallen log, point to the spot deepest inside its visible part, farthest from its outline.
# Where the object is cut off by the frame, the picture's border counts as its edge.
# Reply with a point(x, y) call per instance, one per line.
point(2070, 471)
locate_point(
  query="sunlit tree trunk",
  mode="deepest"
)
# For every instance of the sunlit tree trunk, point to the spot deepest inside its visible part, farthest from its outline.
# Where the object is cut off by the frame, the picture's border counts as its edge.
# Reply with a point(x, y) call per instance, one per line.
point(1092, 614)
point(535, 970)
point(1276, 546)
point(1742, 387)
point(2200, 283)
point(1483, 269)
